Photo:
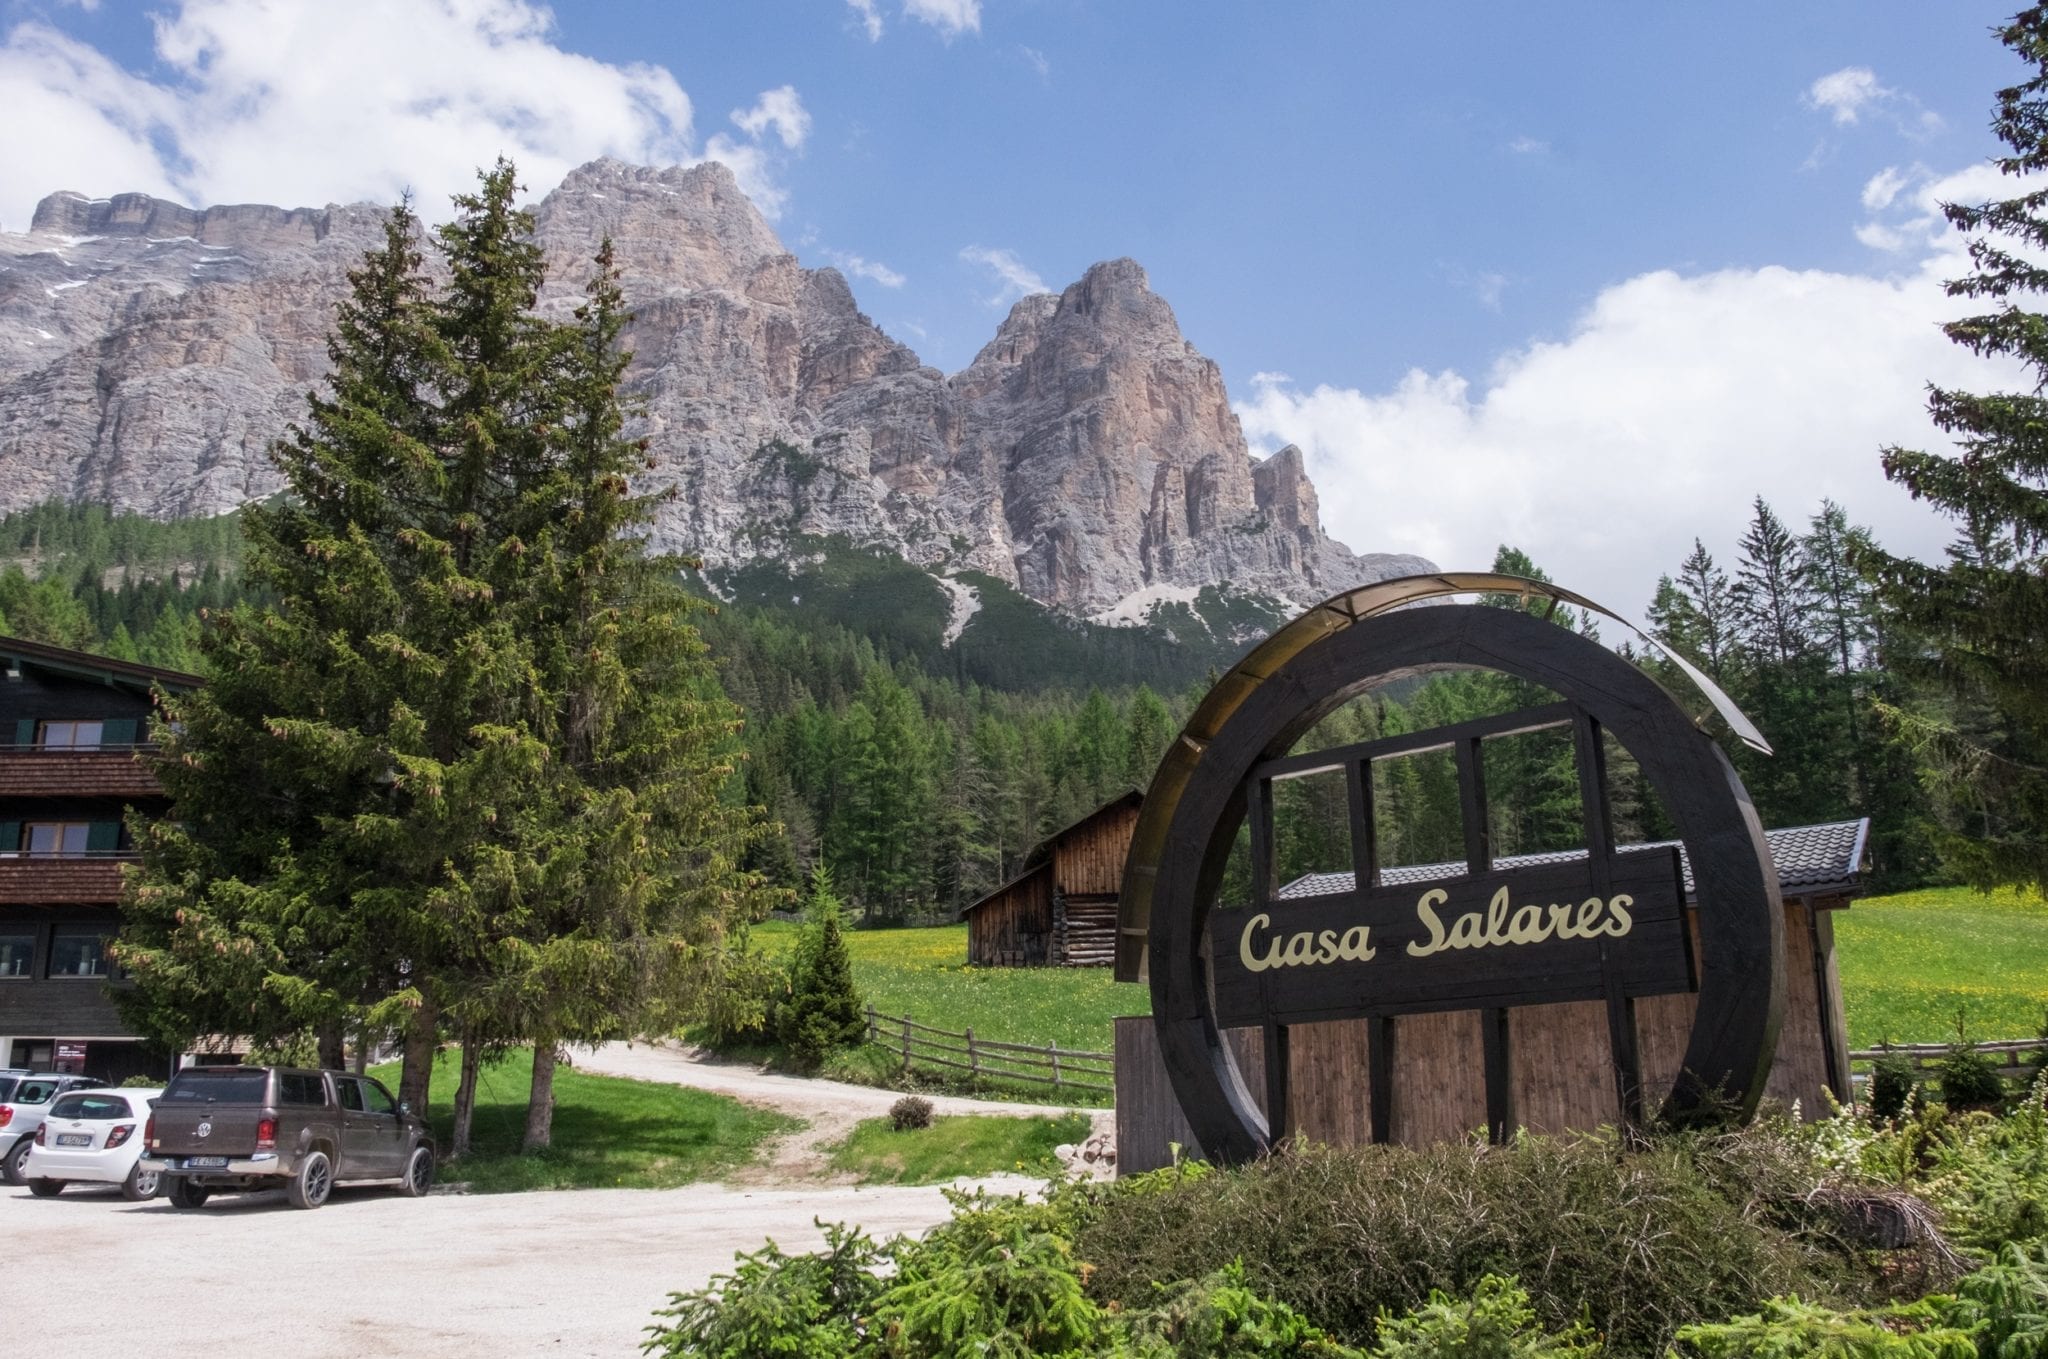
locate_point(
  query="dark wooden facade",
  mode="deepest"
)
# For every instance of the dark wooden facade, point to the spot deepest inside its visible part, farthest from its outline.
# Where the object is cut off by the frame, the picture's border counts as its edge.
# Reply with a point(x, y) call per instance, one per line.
point(73, 762)
point(1061, 909)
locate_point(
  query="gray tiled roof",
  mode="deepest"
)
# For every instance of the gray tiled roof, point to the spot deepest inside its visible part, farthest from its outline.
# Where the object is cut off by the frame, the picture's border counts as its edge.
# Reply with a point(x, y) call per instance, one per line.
point(1829, 855)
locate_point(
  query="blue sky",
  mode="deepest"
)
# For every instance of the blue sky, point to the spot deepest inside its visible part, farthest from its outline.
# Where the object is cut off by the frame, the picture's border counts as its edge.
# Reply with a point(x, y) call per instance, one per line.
point(1680, 253)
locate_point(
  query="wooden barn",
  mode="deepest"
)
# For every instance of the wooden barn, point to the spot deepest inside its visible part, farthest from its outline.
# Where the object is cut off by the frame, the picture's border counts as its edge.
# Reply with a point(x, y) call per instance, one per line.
point(1061, 910)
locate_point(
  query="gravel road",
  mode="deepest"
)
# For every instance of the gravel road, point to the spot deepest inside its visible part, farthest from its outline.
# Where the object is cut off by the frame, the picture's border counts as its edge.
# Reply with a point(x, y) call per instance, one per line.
point(570, 1273)
point(453, 1275)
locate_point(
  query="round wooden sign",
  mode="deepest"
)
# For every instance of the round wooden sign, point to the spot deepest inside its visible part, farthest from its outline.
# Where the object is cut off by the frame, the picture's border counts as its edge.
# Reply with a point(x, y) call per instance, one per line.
point(1610, 924)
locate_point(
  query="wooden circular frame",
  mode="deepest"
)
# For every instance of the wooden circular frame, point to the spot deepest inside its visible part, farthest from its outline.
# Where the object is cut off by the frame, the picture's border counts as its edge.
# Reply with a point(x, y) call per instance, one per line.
point(1259, 710)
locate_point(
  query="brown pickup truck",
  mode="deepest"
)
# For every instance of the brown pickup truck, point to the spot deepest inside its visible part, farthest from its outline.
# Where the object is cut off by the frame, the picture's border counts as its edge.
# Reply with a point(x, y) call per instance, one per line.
point(237, 1128)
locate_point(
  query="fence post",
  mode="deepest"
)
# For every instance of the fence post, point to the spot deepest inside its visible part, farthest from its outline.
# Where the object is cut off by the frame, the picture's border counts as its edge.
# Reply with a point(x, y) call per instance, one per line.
point(973, 1061)
point(1052, 1051)
point(906, 1042)
point(874, 1029)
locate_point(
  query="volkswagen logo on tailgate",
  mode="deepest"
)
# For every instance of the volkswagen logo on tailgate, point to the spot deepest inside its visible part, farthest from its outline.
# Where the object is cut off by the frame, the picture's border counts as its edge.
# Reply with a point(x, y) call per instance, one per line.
point(204, 1129)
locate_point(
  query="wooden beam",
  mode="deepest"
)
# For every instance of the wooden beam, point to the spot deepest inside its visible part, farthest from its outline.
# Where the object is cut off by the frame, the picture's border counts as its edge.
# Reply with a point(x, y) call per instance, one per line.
point(1436, 738)
point(1500, 1091)
point(1472, 805)
point(1379, 1059)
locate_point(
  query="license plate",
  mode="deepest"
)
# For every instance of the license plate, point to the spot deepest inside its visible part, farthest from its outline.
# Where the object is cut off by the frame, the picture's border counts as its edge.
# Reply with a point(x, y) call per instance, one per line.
point(74, 1139)
point(206, 1162)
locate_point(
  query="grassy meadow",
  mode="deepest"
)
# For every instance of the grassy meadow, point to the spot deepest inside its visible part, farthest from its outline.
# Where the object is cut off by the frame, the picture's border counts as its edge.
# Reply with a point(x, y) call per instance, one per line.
point(978, 1144)
point(609, 1133)
point(1908, 963)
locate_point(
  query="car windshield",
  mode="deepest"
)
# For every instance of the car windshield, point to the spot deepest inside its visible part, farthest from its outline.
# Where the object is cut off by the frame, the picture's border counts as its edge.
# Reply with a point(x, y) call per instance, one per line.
point(225, 1087)
point(86, 1107)
point(33, 1091)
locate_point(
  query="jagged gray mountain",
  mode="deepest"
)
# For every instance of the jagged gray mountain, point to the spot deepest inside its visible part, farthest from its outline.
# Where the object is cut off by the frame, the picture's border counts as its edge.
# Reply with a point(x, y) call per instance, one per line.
point(1088, 456)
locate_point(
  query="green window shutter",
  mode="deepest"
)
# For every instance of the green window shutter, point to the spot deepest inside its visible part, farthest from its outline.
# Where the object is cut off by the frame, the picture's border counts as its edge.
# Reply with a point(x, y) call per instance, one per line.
point(25, 732)
point(102, 837)
point(117, 731)
point(10, 836)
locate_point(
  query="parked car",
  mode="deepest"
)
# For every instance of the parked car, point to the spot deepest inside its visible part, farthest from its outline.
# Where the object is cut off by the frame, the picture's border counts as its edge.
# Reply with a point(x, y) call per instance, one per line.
point(10, 1076)
point(93, 1136)
point(238, 1128)
point(23, 1111)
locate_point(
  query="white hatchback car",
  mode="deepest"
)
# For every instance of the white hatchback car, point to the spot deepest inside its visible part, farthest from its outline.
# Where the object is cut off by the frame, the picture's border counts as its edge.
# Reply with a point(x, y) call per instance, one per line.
point(96, 1137)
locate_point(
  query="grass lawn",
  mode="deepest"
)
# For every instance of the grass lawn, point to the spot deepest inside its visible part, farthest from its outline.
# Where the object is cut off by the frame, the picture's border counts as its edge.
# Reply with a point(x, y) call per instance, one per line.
point(609, 1133)
point(955, 1146)
point(1910, 961)
point(1907, 963)
point(923, 973)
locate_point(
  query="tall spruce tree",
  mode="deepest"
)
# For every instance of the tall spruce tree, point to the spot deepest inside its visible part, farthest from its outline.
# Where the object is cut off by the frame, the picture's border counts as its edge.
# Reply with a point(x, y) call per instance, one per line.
point(1976, 627)
point(467, 765)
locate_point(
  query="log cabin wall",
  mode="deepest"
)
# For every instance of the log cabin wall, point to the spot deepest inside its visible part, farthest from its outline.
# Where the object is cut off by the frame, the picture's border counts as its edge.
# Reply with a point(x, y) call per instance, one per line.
point(1088, 859)
point(1559, 1059)
point(1013, 926)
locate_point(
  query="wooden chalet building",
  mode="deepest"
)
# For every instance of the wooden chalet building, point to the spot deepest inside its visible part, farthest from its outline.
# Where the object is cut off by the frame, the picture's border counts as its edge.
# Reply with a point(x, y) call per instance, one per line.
point(1061, 910)
point(74, 732)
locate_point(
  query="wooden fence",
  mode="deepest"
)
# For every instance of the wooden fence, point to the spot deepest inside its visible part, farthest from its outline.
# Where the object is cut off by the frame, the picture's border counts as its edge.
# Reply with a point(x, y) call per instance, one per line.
point(2011, 1054)
point(1061, 1068)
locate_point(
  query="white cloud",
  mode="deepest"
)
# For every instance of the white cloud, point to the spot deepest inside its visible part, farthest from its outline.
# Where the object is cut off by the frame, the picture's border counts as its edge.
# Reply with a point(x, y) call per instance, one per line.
point(1528, 146)
point(1849, 94)
point(950, 17)
point(870, 18)
point(779, 110)
point(1037, 61)
point(1845, 94)
point(1015, 279)
point(297, 102)
point(1883, 187)
point(874, 270)
point(1673, 401)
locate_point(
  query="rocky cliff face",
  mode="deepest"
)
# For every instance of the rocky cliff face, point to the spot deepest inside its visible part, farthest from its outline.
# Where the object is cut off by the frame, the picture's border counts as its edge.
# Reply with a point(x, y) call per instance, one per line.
point(1088, 456)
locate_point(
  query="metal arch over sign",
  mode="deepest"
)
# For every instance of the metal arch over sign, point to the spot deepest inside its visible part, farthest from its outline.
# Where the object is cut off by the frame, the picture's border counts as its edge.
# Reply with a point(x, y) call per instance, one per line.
point(1610, 925)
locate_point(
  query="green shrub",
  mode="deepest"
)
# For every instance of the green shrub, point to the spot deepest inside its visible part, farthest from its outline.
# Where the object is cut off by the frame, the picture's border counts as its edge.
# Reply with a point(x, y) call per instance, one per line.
point(739, 1001)
point(1989, 1177)
point(1222, 1317)
point(791, 1306)
point(991, 1282)
point(1787, 1328)
point(822, 1009)
point(1689, 1229)
point(2005, 1305)
point(141, 1082)
point(1893, 1080)
point(1969, 1080)
point(1496, 1322)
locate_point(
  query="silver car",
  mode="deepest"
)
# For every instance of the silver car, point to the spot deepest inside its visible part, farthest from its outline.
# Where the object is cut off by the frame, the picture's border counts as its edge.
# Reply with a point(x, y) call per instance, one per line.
point(22, 1113)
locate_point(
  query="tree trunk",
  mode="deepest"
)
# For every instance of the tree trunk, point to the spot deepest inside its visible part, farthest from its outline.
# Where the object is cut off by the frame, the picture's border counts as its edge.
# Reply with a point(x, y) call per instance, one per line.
point(363, 1041)
point(540, 1105)
point(465, 1098)
point(328, 1038)
point(421, 1038)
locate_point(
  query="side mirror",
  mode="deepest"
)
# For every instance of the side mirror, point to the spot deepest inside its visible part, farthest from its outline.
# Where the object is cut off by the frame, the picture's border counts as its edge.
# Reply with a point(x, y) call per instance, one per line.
point(404, 1108)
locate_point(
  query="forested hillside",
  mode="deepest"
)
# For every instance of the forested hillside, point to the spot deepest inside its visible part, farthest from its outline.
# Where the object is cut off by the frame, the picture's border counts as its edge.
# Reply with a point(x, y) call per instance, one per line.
point(922, 770)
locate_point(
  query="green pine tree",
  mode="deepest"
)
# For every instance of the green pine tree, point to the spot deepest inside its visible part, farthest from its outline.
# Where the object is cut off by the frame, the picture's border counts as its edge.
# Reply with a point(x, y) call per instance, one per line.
point(1974, 630)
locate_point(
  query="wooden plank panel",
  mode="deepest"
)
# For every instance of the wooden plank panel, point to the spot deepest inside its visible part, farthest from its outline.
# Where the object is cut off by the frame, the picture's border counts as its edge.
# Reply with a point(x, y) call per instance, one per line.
point(1331, 1082)
point(1439, 1077)
point(1561, 1060)
point(1800, 1071)
point(1148, 1117)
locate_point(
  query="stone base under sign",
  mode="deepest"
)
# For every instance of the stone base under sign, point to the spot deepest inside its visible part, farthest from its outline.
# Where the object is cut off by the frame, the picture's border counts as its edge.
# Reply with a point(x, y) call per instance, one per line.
point(1558, 1055)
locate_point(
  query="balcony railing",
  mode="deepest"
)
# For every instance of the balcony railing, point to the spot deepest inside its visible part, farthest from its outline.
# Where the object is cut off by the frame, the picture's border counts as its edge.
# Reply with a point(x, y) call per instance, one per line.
point(77, 771)
point(89, 878)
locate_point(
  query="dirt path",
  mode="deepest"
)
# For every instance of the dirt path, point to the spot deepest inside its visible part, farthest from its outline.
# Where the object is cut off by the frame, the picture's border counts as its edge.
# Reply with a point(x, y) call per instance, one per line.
point(831, 1108)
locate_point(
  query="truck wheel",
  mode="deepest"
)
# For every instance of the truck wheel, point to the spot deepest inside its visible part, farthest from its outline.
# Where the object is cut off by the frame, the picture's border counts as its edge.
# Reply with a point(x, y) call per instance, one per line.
point(46, 1189)
point(10, 1168)
point(314, 1181)
point(141, 1185)
point(419, 1173)
point(185, 1194)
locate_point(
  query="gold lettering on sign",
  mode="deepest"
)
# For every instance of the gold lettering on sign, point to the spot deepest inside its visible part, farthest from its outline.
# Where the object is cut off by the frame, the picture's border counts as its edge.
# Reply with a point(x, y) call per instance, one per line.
point(1501, 923)
point(1305, 948)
